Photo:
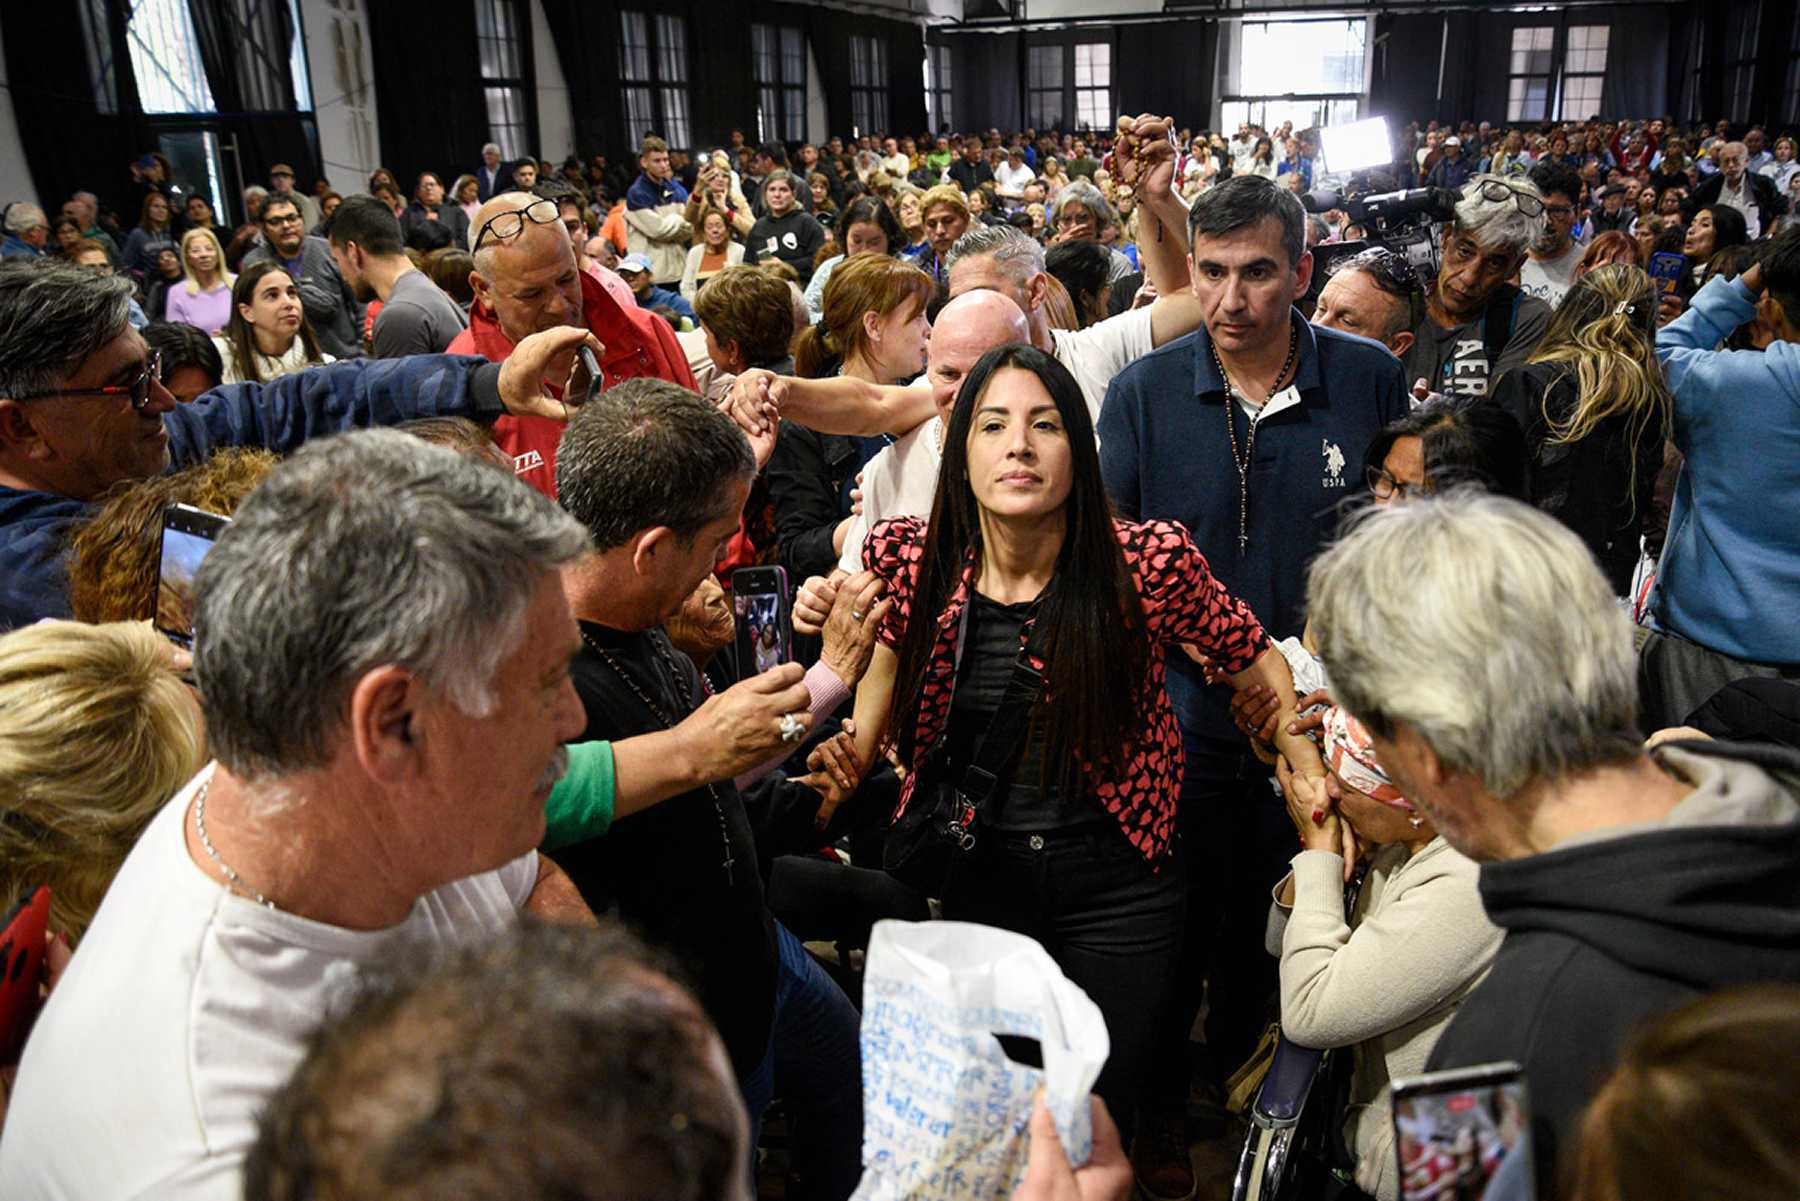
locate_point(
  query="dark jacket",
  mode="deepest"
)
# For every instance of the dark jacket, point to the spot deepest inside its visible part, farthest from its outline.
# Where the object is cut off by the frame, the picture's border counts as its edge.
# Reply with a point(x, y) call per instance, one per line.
point(969, 176)
point(449, 228)
point(279, 415)
point(666, 868)
point(1451, 173)
point(810, 476)
point(1769, 205)
point(1607, 934)
point(1602, 486)
point(794, 238)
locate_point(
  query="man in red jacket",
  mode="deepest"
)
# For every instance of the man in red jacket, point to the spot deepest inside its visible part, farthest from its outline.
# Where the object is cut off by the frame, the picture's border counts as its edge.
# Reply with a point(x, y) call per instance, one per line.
point(526, 280)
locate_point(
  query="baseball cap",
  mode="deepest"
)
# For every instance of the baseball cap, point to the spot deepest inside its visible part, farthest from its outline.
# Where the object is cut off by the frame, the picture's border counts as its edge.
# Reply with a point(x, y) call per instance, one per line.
point(281, 169)
point(1452, 140)
point(635, 262)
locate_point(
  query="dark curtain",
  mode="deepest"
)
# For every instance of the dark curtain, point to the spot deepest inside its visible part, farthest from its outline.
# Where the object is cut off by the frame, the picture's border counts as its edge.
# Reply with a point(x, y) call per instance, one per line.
point(1637, 52)
point(586, 37)
point(1403, 84)
point(428, 94)
point(986, 71)
point(1166, 68)
point(70, 144)
point(245, 55)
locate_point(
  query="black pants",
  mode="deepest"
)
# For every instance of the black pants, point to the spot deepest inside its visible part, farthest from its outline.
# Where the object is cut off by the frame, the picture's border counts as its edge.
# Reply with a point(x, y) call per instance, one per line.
point(1112, 924)
point(1235, 839)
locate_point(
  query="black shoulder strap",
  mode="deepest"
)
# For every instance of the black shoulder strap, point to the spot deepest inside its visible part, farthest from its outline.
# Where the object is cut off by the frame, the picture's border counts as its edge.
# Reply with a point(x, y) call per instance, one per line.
point(1497, 324)
point(1007, 727)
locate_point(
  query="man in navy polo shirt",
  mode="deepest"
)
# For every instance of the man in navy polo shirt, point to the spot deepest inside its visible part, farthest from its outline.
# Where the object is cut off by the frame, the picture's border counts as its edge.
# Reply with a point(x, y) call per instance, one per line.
point(1258, 478)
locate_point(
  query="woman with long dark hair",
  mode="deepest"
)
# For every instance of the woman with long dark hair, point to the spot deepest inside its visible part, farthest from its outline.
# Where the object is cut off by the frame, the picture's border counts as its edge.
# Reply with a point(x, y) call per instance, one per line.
point(268, 335)
point(1023, 558)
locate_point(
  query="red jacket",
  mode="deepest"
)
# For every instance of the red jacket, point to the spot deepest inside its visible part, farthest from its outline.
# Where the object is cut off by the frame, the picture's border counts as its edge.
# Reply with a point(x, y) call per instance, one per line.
point(638, 344)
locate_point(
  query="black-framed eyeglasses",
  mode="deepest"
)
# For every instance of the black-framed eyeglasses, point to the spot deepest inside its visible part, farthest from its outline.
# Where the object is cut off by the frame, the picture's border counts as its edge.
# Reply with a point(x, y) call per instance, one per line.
point(511, 223)
point(285, 219)
point(138, 388)
point(1497, 190)
point(1384, 485)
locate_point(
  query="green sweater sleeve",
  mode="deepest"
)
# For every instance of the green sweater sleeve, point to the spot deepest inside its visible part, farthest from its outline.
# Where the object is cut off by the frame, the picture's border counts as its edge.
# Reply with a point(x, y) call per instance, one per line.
point(581, 805)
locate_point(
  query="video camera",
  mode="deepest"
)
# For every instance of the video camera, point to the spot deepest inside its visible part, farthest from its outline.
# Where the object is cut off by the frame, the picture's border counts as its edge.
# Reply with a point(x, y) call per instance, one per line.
point(1400, 221)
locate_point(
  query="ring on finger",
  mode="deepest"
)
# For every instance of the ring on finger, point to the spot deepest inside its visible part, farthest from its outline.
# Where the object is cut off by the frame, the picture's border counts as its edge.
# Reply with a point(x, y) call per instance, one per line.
point(791, 729)
point(858, 614)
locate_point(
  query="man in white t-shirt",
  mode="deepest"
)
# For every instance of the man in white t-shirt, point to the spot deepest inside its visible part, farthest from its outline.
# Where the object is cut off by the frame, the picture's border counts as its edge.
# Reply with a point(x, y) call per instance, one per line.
point(384, 652)
point(1549, 268)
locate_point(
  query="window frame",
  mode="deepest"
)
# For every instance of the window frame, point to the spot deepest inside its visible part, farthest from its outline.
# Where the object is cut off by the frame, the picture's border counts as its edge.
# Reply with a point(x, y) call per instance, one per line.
point(1515, 105)
point(786, 120)
point(1737, 70)
point(510, 81)
point(940, 107)
point(868, 84)
point(1587, 73)
point(1070, 95)
point(1335, 107)
point(666, 83)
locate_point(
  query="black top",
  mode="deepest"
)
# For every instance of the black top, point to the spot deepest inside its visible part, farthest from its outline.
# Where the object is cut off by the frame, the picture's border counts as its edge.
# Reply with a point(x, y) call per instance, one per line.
point(1603, 486)
point(1025, 800)
point(665, 867)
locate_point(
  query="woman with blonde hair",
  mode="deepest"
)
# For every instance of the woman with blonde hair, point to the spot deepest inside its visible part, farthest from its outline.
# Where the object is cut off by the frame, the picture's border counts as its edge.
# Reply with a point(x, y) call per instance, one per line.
point(715, 193)
point(872, 327)
point(465, 193)
point(203, 299)
point(97, 732)
point(1596, 413)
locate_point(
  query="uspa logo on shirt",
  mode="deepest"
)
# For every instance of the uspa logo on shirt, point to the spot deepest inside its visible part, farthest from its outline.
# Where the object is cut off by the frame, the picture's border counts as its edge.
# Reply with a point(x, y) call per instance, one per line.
point(1334, 464)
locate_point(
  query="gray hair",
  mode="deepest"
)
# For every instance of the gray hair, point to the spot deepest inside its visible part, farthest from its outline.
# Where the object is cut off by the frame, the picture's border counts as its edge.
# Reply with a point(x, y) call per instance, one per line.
point(89, 199)
point(1245, 200)
point(23, 217)
point(1015, 252)
point(52, 317)
point(1485, 626)
point(362, 550)
point(255, 192)
point(1500, 224)
point(1089, 197)
point(649, 453)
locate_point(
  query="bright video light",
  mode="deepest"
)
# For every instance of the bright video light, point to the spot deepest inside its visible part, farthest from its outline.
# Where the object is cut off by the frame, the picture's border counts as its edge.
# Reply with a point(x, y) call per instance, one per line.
point(1357, 146)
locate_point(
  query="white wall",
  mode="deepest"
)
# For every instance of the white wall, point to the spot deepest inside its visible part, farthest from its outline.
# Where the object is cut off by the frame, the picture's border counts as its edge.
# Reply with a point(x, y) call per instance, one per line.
point(343, 86)
point(556, 116)
point(15, 177)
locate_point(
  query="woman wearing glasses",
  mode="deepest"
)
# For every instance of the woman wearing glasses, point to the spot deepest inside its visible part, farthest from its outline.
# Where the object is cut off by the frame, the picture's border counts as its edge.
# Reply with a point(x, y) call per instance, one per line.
point(268, 335)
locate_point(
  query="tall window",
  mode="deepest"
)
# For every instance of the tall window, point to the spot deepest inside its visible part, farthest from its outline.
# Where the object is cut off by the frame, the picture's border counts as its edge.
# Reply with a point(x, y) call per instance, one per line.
point(96, 39)
point(937, 88)
point(1528, 83)
point(1584, 71)
point(868, 85)
point(653, 74)
point(778, 57)
point(1093, 85)
point(1044, 87)
point(165, 55)
point(1320, 66)
point(1069, 86)
point(499, 35)
point(1740, 56)
point(1690, 92)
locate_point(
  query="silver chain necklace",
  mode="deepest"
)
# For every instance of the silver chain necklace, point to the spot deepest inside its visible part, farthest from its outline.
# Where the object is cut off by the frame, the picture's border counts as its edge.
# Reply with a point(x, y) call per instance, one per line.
point(237, 881)
point(668, 661)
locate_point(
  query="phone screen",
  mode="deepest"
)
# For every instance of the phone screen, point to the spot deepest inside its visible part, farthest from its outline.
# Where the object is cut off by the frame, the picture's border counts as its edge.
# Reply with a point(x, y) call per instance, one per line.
point(759, 602)
point(1667, 268)
point(187, 535)
point(1458, 1132)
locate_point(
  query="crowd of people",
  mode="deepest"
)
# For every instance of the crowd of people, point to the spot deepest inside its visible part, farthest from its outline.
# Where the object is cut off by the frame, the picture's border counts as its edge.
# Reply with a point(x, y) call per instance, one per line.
point(1442, 713)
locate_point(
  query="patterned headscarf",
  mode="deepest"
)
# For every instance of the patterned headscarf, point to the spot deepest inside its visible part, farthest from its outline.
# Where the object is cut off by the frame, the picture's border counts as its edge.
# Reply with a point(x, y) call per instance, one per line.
point(1350, 752)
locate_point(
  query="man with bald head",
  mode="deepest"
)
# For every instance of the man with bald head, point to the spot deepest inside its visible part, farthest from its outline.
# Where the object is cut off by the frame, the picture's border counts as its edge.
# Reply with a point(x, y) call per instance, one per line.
point(526, 280)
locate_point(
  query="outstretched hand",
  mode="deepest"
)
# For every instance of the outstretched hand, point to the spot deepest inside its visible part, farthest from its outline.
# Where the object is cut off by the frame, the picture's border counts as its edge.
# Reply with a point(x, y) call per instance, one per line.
point(549, 355)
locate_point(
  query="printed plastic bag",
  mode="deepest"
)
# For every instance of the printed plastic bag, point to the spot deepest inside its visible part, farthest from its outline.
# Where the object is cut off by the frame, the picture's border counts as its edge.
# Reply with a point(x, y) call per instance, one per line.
point(944, 1108)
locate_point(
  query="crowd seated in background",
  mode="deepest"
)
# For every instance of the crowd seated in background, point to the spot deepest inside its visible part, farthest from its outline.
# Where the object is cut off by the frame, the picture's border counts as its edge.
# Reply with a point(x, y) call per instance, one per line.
point(1490, 508)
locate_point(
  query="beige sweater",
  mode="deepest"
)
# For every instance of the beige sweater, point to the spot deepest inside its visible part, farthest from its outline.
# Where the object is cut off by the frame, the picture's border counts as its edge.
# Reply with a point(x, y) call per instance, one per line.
point(1387, 982)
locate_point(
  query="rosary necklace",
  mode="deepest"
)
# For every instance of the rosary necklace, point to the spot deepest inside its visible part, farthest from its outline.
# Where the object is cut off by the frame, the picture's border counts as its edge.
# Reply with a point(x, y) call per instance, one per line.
point(1243, 461)
point(667, 659)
